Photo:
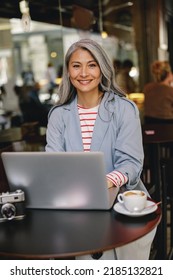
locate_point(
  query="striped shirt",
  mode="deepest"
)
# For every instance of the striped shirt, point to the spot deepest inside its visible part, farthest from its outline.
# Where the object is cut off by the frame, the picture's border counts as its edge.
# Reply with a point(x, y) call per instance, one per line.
point(87, 121)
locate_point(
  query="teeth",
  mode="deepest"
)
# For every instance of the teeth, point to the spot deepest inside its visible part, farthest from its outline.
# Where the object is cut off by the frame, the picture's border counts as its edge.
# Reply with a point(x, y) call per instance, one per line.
point(84, 82)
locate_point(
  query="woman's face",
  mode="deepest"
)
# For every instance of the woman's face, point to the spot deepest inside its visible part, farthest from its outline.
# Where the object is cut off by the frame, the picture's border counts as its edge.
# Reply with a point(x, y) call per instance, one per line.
point(84, 72)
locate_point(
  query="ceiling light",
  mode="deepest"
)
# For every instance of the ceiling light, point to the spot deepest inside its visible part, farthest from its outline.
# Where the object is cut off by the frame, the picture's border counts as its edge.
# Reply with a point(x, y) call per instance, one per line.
point(26, 19)
point(102, 32)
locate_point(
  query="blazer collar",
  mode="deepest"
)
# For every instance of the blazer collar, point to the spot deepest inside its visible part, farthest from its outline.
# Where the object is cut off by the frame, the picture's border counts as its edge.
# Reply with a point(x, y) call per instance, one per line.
point(72, 123)
point(103, 120)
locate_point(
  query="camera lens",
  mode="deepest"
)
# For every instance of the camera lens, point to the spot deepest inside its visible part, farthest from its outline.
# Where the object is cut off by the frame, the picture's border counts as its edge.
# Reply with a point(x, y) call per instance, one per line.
point(8, 211)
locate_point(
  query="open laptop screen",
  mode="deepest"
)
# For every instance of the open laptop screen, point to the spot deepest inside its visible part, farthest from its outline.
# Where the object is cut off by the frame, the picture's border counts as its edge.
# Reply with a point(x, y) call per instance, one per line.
point(60, 180)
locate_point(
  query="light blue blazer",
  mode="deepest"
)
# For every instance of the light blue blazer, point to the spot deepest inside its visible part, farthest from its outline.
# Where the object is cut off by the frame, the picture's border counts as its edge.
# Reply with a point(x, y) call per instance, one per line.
point(117, 133)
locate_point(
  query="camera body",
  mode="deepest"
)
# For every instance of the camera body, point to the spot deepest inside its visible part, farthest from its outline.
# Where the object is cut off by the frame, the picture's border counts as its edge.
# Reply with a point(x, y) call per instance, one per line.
point(12, 205)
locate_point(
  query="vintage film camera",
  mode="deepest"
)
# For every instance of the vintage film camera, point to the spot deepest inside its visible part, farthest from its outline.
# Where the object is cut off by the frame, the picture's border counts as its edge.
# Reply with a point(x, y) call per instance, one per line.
point(12, 205)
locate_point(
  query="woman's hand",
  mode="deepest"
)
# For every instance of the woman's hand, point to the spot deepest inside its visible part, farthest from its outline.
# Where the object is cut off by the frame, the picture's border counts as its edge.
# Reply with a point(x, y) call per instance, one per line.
point(110, 184)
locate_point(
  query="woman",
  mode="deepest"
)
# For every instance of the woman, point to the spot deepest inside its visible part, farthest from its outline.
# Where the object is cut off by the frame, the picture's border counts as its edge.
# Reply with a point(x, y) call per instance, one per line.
point(159, 94)
point(123, 78)
point(94, 115)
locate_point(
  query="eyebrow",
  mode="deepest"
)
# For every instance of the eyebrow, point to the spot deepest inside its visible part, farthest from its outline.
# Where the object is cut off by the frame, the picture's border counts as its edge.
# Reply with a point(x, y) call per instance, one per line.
point(87, 62)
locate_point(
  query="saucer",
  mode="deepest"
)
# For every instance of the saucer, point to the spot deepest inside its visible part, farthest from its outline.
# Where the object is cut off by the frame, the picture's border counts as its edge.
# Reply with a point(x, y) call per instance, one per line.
point(119, 207)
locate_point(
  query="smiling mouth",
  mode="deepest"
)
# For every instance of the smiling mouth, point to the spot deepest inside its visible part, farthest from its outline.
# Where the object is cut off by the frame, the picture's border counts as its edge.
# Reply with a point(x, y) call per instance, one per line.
point(84, 82)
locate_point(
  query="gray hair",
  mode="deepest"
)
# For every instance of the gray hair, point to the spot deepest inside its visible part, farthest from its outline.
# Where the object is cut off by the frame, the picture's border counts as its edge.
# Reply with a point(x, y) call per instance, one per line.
point(66, 90)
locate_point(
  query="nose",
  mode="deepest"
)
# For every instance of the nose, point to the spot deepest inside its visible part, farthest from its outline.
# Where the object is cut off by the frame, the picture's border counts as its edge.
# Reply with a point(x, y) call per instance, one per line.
point(84, 71)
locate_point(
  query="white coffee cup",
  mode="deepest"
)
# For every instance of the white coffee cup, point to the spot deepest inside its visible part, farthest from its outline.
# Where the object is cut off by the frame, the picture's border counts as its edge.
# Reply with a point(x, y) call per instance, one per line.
point(134, 200)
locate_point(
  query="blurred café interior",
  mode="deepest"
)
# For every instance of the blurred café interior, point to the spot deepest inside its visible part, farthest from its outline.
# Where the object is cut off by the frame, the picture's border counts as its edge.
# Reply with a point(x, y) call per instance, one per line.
point(35, 34)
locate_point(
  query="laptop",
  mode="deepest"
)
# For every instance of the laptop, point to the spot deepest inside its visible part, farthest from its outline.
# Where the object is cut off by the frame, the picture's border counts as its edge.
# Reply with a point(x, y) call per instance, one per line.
point(60, 180)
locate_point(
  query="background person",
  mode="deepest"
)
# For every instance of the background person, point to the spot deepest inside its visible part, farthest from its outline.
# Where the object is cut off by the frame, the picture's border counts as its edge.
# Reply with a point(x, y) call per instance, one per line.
point(123, 78)
point(94, 115)
point(158, 105)
point(32, 109)
point(117, 65)
point(28, 77)
point(51, 76)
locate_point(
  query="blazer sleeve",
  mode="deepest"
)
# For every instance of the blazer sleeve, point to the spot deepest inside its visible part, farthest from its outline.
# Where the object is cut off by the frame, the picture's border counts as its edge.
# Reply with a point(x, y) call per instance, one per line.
point(129, 155)
point(55, 131)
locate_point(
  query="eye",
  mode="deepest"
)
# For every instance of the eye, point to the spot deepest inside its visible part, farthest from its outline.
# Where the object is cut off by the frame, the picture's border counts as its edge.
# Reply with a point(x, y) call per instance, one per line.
point(92, 65)
point(75, 66)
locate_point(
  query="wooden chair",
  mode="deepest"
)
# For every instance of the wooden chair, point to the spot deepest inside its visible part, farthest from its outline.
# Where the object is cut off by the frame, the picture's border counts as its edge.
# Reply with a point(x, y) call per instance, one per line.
point(167, 207)
point(163, 243)
point(148, 173)
point(32, 137)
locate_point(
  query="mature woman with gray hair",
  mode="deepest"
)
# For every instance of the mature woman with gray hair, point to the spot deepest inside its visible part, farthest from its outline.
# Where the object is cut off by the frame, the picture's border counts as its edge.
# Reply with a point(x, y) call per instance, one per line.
point(93, 114)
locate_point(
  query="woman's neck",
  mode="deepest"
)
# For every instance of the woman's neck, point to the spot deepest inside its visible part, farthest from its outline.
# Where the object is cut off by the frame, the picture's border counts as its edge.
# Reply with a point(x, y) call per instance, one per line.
point(165, 82)
point(89, 101)
point(168, 80)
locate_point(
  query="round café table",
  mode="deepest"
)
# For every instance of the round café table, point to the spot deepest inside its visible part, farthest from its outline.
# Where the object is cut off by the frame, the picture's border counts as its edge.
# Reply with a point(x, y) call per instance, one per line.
point(64, 234)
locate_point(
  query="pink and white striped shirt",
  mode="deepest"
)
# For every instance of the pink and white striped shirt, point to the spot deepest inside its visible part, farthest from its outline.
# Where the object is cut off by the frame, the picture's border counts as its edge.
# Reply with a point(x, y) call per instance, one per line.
point(87, 120)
